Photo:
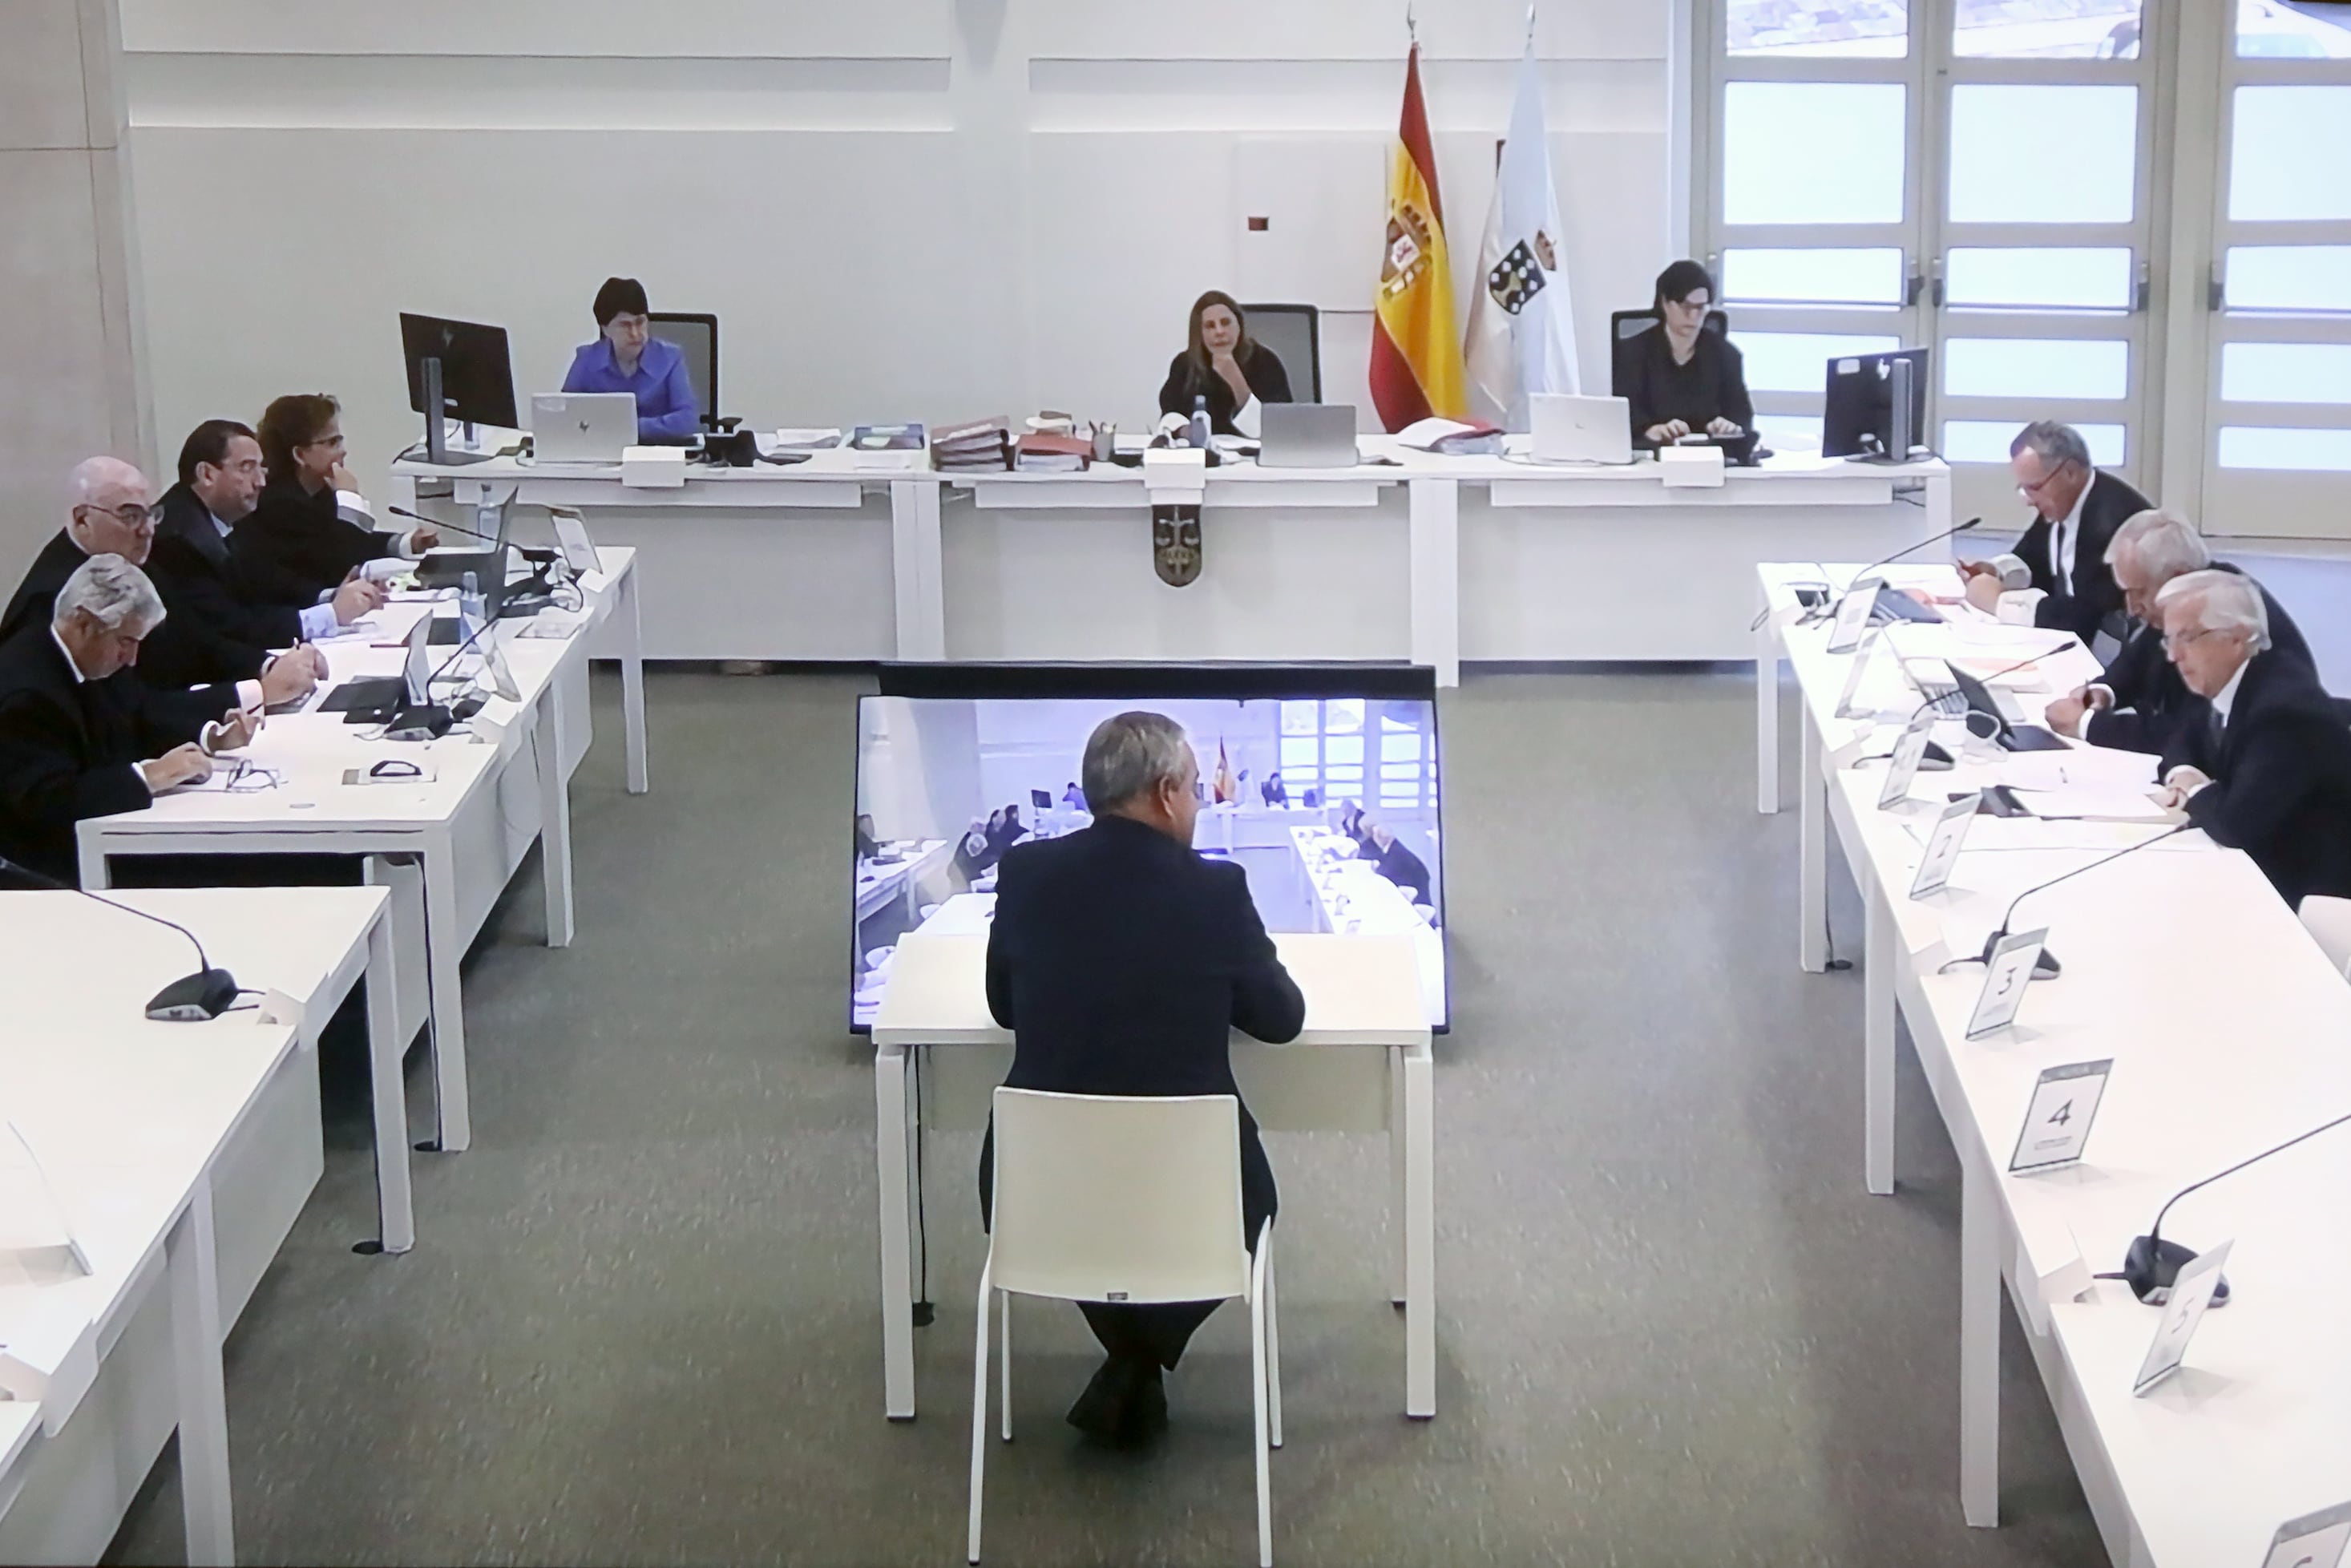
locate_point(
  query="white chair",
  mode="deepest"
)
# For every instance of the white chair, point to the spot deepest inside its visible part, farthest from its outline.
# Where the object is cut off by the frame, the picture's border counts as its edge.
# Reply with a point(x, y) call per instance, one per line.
point(1101, 1199)
point(2329, 921)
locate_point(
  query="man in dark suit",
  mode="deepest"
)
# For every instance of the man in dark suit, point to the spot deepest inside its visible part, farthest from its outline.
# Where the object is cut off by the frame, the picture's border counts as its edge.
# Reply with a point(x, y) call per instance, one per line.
point(2077, 511)
point(76, 739)
point(2137, 702)
point(230, 613)
point(1121, 961)
point(2268, 768)
point(1393, 859)
point(111, 515)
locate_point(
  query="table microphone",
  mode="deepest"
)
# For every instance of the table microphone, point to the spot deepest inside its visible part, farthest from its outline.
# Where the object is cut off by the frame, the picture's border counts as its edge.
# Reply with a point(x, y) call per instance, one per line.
point(2047, 963)
point(2152, 1264)
point(1913, 550)
point(206, 994)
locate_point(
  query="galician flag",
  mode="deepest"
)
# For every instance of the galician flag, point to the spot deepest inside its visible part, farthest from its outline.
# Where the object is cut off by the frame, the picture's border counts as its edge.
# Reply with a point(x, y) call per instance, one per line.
point(1416, 363)
point(1522, 335)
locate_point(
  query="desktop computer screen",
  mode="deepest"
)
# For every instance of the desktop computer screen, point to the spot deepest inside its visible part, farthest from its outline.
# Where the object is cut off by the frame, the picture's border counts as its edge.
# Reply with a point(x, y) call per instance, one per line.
point(1321, 783)
point(476, 373)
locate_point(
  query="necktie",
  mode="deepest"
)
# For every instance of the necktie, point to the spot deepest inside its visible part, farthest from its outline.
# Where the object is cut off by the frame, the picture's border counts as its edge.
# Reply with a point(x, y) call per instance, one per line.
point(2057, 560)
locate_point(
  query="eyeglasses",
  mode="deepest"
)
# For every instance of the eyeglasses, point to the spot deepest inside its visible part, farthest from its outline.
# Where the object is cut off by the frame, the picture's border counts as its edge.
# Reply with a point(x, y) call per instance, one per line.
point(130, 513)
point(2032, 491)
point(2173, 643)
point(252, 777)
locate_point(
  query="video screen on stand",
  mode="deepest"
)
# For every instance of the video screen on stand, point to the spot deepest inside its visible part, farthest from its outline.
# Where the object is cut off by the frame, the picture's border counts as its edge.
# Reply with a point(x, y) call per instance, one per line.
point(1321, 783)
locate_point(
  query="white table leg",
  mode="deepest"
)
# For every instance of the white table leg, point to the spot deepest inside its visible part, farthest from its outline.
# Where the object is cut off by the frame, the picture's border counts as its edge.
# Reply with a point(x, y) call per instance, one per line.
point(917, 569)
point(1436, 531)
point(1420, 1233)
point(1813, 857)
point(554, 818)
point(633, 675)
point(1980, 1228)
point(91, 854)
point(396, 1214)
point(443, 948)
point(1879, 959)
point(1399, 1157)
point(1767, 705)
point(191, 1265)
point(890, 1155)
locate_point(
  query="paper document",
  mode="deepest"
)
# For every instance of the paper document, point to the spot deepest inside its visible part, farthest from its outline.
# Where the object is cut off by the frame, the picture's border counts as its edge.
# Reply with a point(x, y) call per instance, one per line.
point(807, 440)
point(2079, 766)
point(2098, 802)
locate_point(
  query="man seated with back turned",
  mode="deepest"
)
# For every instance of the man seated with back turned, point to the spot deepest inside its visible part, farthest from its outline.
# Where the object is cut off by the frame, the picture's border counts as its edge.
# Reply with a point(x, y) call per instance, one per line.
point(2076, 510)
point(232, 609)
point(2137, 702)
point(2267, 770)
point(1121, 961)
point(76, 739)
point(1393, 859)
point(111, 515)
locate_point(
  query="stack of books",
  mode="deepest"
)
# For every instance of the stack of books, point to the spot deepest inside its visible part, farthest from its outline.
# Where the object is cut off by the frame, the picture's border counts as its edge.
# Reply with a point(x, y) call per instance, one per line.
point(976, 446)
point(887, 446)
point(1043, 453)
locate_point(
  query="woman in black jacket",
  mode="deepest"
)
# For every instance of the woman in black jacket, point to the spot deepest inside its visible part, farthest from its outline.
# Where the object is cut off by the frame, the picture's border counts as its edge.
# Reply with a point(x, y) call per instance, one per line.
point(1223, 363)
point(312, 529)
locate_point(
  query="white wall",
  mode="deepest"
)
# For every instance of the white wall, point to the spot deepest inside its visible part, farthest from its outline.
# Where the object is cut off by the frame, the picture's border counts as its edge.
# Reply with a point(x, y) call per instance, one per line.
point(902, 208)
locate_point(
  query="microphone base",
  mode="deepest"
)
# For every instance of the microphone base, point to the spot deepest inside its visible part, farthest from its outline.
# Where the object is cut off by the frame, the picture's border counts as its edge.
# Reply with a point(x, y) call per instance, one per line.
point(2045, 967)
point(2152, 1266)
point(205, 995)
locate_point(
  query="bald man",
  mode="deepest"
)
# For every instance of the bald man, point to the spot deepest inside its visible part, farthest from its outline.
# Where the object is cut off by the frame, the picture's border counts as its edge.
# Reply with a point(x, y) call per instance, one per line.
point(112, 514)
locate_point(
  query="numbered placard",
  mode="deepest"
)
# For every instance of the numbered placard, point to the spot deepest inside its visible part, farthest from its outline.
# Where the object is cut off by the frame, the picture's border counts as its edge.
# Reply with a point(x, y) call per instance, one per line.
point(2057, 1123)
point(1943, 845)
point(2313, 1541)
point(1908, 752)
point(2191, 1292)
point(1852, 619)
point(2005, 977)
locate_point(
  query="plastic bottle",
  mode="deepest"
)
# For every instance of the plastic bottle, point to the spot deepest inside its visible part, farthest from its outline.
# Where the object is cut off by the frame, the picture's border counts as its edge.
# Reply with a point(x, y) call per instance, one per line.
point(1199, 432)
point(473, 612)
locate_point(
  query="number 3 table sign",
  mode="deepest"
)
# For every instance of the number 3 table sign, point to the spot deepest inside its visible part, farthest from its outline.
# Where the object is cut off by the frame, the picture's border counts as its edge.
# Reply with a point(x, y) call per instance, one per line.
point(2004, 980)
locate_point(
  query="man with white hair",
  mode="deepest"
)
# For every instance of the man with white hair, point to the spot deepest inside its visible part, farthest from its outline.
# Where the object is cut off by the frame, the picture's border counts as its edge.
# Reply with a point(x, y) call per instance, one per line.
point(112, 515)
point(1122, 962)
point(77, 739)
point(2133, 704)
point(2267, 769)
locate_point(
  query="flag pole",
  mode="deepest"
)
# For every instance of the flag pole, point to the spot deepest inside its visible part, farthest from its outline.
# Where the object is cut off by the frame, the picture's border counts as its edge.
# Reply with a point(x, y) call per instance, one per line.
point(1411, 25)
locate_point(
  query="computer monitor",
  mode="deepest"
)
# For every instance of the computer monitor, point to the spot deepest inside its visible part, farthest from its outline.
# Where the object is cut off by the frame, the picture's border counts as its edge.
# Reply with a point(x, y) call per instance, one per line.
point(1861, 403)
point(944, 752)
point(462, 367)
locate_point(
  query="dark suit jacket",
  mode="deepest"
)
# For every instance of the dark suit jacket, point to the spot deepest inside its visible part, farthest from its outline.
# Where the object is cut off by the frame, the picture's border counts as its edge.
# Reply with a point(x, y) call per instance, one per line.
point(68, 751)
point(1121, 961)
point(2150, 697)
point(1262, 370)
point(171, 662)
point(299, 541)
point(235, 614)
point(1402, 867)
point(2280, 773)
point(2095, 598)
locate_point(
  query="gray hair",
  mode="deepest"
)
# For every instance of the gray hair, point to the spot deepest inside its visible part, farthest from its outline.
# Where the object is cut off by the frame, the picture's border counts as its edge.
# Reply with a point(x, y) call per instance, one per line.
point(91, 475)
point(2054, 442)
point(1129, 754)
point(112, 591)
point(2231, 602)
point(2164, 544)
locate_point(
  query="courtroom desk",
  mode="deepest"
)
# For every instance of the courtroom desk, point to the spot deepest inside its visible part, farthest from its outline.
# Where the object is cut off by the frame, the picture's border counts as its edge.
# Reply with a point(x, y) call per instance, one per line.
point(880, 884)
point(1350, 898)
point(131, 1125)
point(1405, 556)
point(495, 791)
point(20, 1439)
point(1362, 1063)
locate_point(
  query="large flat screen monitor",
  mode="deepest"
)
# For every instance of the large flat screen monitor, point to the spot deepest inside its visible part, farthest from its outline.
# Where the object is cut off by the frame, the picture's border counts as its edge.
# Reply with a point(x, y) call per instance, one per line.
point(476, 373)
point(1320, 782)
point(1860, 401)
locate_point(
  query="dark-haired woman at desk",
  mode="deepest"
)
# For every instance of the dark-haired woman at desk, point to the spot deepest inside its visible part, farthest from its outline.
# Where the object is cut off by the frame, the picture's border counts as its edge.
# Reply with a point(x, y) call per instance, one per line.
point(627, 358)
point(1683, 380)
point(1223, 363)
point(311, 528)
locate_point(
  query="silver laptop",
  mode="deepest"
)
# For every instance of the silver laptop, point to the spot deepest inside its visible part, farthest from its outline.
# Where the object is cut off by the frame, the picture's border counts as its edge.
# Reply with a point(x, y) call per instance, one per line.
point(1307, 435)
point(1571, 429)
point(582, 427)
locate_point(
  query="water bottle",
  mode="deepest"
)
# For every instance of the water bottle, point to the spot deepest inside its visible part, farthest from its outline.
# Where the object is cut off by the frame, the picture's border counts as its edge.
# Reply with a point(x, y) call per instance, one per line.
point(1199, 432)
point(472, 614)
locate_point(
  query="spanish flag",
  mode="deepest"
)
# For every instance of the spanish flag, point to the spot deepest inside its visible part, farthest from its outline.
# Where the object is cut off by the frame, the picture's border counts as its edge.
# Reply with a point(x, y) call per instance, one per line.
point(1226, 789)
point(1415, 341)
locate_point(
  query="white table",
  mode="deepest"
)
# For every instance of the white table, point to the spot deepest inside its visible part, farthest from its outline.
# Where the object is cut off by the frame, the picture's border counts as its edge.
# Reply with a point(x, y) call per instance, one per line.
point(20, 1439)
point(879, 884)
point(2228, 1028)
point(131, 1127)
point(1362, 1064)
point(1403, 557)
point(492, 793)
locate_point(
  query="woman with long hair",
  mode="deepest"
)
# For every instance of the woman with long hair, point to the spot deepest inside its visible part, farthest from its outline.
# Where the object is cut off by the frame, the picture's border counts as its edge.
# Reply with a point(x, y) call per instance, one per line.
point(1221, 362)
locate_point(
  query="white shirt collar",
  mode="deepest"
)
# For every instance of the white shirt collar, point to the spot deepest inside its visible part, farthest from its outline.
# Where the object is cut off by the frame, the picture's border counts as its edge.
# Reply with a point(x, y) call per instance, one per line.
point(2073, 518)
point(78, 677)
point(218, 527)
point(2227, 699)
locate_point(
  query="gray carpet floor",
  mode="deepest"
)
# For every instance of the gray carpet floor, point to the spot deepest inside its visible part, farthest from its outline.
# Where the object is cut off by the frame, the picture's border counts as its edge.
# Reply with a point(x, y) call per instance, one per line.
point(640, 1325)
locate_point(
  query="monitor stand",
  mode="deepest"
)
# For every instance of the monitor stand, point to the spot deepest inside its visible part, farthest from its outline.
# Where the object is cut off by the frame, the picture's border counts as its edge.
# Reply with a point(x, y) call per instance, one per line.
point(436, 427)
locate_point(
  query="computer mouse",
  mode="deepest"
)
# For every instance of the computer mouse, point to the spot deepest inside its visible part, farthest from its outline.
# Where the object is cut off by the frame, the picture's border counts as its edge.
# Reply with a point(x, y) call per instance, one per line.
point(464, 708)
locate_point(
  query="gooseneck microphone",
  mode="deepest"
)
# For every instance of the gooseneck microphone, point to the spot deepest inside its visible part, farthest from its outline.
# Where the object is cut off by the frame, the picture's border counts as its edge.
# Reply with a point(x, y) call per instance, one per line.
point(2049, 652)
point(206, 994)
point(1913, 550)
point(437, 523)
point(2048, 964)
point(2153, 1264)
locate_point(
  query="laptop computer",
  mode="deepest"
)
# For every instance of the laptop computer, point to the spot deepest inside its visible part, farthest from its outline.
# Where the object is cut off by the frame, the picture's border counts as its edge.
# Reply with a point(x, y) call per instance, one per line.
point(2015, 735)
point(1571, 429)
point(1307, 435)
point(373, 699)
point(582, 427)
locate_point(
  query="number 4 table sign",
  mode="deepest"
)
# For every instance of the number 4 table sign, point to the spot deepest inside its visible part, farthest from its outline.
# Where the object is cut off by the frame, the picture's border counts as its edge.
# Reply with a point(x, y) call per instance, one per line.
point(2057, 1122)
point(2313, 1541)
point(2004, 980)
point(2191, 1292)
